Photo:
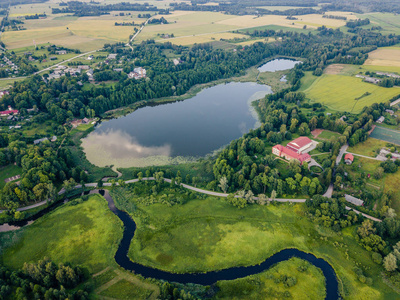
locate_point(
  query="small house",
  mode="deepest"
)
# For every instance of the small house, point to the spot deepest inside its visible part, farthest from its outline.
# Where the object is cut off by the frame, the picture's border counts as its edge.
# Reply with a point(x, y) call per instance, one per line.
point(353, 200)
point(380, 120)
point(61, 52)
point(85, 120)
point(348, 158)
point(37, 142)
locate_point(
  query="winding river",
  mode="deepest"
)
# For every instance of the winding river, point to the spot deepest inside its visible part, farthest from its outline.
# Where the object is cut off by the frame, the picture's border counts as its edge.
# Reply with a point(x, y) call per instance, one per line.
point(209, 278)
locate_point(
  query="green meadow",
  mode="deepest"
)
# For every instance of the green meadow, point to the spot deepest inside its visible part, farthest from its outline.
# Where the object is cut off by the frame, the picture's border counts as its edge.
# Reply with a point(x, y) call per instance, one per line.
point(340, 93)
point(207, 233)
point(276, 283)
point(85, 234)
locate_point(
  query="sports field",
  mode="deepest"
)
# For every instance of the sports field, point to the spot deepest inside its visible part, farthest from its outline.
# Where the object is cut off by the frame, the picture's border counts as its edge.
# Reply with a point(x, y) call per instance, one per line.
point(386, 134)
point(340, 92)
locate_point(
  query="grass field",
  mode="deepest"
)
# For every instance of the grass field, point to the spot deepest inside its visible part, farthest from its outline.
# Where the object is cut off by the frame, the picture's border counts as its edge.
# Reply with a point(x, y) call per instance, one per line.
point(86, 234)
point(339, 92)
point(328, 135)
point(8, 171)
point(389, 22)
point(124, 289)
point(310, 283)
point(210, 234)
point(368, 148)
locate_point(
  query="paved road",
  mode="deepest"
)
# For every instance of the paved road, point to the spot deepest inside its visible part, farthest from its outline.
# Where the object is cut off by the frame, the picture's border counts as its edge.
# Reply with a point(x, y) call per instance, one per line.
point(329, 191)
point(137, 33)
point(343, 149)
point(378, 158)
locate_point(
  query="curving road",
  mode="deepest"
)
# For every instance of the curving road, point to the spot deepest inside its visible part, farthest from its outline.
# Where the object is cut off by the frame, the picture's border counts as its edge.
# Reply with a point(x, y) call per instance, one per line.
point(189, 187)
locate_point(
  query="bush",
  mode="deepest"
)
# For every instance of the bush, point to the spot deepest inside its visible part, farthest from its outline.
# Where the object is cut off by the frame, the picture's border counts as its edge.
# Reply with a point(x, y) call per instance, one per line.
point(377, 258)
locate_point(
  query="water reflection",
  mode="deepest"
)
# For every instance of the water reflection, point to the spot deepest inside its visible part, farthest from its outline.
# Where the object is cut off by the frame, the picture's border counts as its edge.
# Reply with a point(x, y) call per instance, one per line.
point(278, 65)
point(120, 144)
point(187, 129)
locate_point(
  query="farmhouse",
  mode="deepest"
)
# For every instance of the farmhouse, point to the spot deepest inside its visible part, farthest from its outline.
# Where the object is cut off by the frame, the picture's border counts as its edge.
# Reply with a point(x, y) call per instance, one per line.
point(61, 52)
point(2, 93)
point(112, 56)
point(289, 154)
point(380, 120)
point(36, 142)
point(348, 158)
point(353, 200)
point(137, 73)
point(300, 144)
point(8, 112)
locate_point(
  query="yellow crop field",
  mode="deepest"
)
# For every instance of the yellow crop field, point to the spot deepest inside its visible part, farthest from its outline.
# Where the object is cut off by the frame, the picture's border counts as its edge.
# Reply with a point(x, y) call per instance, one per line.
point(188, 24)
point(388, 56)
point(251, 42)
point(340, 92)
point(203, 38)
point(311, 20)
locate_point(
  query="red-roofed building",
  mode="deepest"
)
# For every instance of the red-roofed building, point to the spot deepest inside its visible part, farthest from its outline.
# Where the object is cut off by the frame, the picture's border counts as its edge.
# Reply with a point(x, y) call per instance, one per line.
point(289, 154)
point(9, 112)
point(348, 158)
point(300, 144)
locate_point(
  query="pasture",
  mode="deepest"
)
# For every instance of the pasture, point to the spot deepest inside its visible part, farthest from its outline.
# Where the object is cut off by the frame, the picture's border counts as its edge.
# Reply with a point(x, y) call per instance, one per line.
point(339, 93)
point(209, 234)
point(84, 234)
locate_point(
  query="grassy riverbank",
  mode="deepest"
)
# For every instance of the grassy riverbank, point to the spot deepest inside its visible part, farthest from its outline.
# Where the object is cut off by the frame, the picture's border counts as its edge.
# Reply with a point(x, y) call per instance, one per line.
point(293, 279)
point(85, 234)
point(209, 234)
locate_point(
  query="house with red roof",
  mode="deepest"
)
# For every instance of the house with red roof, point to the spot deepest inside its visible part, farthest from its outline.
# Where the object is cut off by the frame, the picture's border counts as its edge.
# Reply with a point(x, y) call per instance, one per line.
point(300, 144)
point(348, 158)
point(8, 112)
point(289, 154)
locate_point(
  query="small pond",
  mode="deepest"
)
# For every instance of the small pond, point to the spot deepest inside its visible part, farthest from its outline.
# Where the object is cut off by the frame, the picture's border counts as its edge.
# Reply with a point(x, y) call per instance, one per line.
point(176, 132)
point(279, 64)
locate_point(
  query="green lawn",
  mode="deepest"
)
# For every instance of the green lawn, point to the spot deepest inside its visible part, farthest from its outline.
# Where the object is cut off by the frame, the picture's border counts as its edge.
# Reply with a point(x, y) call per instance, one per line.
point(272, 285)
point(85, 234)
point(340, 92)
point(368, 147)
point(209, 234)
point(328, 135)
point(8, 171)
point(124, 289)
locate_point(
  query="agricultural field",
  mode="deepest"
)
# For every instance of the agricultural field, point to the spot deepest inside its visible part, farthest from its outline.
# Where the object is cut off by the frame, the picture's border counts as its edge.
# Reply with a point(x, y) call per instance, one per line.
point(86, 234)
point(340, 93)
point(389, 22)
point(386, 134)
point(209, 234)
point(388, 56)
point(84, 33)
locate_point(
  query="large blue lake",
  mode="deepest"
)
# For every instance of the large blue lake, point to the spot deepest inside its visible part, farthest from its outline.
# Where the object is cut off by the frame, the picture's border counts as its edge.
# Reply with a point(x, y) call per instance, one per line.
point(159, 134)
